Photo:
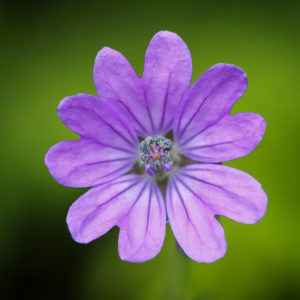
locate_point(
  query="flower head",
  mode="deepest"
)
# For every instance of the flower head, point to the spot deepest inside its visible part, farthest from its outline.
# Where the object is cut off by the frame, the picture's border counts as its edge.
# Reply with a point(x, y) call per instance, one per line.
point(135, 140)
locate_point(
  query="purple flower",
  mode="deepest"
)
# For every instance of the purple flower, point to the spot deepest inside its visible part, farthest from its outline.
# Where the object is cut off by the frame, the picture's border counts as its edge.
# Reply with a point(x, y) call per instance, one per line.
point(151, 128)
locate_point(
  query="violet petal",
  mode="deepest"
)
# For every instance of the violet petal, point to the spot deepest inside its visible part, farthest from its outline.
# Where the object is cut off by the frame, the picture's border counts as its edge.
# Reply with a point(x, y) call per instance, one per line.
point(196, 229)
point(133, 203)
point(197, 193)
point(167, 74)
point(98, 121)
point(208, 100)
point(117, 82)
point(232, 137)
point(142, 231)
point(85, 163)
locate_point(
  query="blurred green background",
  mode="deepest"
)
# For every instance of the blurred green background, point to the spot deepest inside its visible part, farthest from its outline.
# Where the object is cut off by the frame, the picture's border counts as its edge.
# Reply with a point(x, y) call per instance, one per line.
point(47, 53)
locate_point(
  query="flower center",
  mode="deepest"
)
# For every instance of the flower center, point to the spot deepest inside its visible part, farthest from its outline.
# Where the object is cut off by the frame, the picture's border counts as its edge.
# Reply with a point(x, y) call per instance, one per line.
point(155, 153)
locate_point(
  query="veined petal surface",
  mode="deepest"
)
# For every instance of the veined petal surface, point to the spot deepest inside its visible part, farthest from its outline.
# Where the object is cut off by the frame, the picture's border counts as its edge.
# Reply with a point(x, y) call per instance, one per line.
point(196, 229)
point(167, 75)
point(117, 82)
point(232, 137)
point(208, 100)
point(85, 163)
point(131, 202)
point(98, 121)
point(142, 231)
point(198, 192)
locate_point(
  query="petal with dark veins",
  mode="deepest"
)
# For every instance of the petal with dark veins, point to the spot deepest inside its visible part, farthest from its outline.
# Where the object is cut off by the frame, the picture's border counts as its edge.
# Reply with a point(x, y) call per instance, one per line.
point(232, 137)
point(131, 202)
point(198, 192)
point(98, 121)
point(167, 75)
point(117, 82)
point(85, 163)
point(208, 100)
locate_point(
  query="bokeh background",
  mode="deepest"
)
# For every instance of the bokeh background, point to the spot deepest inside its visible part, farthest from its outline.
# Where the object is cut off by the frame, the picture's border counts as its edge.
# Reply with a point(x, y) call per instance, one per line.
point(47, 52)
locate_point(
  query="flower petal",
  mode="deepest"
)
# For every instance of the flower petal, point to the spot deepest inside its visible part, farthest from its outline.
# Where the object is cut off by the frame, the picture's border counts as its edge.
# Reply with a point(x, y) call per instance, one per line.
point(96, 120)
point(133, 203)
point(197, 193)
point(208, 100)
point(85, 163)
point(197, 231)
point(102, 207)
point(167, 74)
point(226, 191)
point(116, 80)
point(232, 137)
point(142, 232)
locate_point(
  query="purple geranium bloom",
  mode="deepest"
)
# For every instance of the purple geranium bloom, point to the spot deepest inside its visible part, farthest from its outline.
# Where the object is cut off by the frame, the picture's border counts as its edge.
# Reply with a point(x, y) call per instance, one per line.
point(168, 138)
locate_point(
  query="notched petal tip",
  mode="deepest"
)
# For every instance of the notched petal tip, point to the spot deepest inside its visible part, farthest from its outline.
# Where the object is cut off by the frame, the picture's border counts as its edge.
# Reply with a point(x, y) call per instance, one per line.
point(233, 71)
point(140, 257)
point(106, 53)
point(207, 255)
point(47, 159)
point(263, 126)
point(76, 236)
point(261, 208)
point(51, 162)
point(167, 41)
point(229, 68)
point(165, 34)
point(72, 101)
point(259, 130)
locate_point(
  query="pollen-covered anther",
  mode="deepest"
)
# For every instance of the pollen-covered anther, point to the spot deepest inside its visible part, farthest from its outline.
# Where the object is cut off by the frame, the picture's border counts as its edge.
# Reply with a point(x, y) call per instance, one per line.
point(155, 153)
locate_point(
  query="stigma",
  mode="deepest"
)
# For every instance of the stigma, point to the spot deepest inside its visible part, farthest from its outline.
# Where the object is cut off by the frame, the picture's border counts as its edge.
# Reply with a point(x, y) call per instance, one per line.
point(155, 153)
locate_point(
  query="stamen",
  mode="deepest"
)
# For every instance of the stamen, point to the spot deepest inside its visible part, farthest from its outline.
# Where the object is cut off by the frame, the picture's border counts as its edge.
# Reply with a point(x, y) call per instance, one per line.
point(155, 153)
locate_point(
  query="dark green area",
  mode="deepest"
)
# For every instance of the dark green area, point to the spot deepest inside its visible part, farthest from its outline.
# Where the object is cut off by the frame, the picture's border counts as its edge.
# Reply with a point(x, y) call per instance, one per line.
point(47, 53)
